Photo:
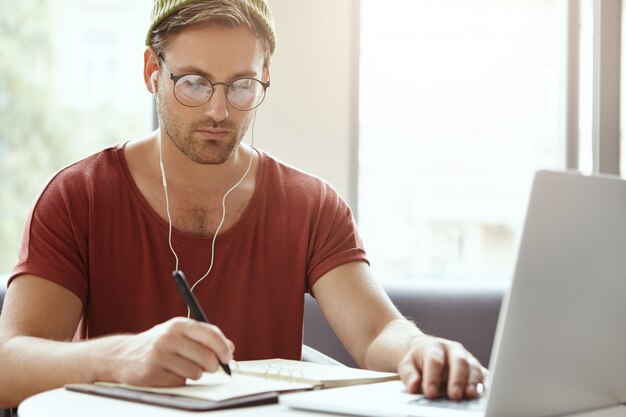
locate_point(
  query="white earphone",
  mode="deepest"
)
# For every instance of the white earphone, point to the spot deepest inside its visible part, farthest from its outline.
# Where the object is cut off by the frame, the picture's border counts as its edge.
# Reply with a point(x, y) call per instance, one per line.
point(153, 83)
point(153, 77)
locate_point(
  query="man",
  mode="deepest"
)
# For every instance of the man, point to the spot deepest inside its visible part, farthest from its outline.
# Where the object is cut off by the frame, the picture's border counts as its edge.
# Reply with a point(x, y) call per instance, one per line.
point(251, 233)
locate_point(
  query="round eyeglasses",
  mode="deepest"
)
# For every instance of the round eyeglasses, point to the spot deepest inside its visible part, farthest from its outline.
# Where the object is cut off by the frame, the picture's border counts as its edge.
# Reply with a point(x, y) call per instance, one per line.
point(193, 90)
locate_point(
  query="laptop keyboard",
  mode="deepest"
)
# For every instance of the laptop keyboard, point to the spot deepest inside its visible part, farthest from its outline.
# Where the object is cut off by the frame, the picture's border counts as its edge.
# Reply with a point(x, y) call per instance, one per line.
point(477, 404)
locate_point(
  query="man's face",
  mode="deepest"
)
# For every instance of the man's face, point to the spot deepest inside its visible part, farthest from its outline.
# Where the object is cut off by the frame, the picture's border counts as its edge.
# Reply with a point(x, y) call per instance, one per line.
point(210, 133)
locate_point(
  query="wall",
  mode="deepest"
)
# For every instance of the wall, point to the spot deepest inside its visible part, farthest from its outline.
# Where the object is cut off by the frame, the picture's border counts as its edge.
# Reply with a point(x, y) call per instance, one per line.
point(308, 118)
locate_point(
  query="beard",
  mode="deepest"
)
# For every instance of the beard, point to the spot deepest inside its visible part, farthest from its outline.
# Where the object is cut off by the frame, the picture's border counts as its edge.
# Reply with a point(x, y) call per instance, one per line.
point(199, 150)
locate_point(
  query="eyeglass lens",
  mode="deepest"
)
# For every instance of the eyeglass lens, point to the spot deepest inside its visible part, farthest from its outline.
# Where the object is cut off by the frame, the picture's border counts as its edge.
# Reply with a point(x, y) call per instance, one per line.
point(243, 94)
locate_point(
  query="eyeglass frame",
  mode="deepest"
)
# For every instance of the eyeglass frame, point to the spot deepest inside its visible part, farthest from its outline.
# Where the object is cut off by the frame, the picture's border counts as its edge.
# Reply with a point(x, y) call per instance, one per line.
point(176, 78)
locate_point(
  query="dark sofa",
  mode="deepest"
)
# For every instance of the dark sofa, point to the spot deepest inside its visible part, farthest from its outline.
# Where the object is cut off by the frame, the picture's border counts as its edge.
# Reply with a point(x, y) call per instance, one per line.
point(465, 313)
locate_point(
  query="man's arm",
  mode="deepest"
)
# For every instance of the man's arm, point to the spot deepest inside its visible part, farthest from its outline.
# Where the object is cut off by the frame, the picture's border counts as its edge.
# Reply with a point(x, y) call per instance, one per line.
point(378, 337)
point(39, 319)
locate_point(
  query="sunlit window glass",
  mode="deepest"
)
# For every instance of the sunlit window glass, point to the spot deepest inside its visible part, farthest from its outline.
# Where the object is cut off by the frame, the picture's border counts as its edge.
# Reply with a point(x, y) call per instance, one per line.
point(70, 83)
point(460, 102)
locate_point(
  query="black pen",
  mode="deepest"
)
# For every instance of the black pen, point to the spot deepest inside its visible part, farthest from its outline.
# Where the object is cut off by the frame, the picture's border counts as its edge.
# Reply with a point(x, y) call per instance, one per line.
point(194, 306)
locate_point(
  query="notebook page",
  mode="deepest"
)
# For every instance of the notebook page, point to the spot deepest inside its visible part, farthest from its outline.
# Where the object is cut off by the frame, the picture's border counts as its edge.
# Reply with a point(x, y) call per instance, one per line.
point(219, 387)
point(313, 373)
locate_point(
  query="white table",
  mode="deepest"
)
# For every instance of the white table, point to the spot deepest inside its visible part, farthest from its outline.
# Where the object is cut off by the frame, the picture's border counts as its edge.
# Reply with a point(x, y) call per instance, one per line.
point(63, 403)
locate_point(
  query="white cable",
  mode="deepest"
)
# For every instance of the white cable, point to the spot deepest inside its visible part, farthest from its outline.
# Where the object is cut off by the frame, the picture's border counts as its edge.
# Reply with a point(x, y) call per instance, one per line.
point(167, 200)
point(167, 205)
point(163, 177)
point(224, 206)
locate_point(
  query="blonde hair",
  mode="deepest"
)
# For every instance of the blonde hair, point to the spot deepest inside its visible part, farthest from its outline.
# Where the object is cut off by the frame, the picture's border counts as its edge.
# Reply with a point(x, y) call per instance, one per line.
point(222, 12)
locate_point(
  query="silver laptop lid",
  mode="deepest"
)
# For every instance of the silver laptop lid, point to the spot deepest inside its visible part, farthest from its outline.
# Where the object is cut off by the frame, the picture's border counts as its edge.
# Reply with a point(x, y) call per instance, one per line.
point(560, 346)
point(561, 342)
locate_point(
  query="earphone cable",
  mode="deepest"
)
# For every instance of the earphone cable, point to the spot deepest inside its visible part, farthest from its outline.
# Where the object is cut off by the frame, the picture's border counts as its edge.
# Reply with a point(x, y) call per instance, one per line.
point(167, 200)
point(219, 227)
point(167, 205)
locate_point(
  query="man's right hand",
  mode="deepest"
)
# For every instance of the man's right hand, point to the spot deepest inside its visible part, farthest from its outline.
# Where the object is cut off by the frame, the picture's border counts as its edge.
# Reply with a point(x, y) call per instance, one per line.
point(169, 353)
point(39, 319)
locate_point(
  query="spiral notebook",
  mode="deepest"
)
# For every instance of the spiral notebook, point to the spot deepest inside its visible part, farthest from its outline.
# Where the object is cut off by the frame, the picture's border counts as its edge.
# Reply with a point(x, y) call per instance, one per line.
point(252, 383)
point(315, 374)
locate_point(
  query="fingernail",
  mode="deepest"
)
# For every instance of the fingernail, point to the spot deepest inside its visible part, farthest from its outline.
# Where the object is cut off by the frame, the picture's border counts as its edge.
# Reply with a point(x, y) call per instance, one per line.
point(457, 392)
point(412, 379)
point(471, 391)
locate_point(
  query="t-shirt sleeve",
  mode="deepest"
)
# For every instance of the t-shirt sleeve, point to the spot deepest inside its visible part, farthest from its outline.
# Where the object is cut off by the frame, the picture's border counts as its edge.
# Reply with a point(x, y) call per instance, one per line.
point(54, 244)
point(335, 240)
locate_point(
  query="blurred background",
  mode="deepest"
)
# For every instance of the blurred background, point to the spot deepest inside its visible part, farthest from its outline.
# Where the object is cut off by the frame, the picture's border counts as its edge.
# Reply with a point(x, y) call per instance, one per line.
point(429, 117)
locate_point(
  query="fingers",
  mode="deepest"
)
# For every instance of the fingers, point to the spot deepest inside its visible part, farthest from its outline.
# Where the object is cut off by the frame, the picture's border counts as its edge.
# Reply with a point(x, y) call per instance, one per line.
point(442, 365)
point(410, 374)
point(475, 387)
point(171, 352)
point(186, 356)
point(459, 371)
point(434, 364)
point(178, 366)
point(206, 336)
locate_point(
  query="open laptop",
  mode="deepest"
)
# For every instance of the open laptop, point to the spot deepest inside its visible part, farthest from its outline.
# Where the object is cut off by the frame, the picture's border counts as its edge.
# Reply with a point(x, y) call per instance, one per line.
point(560, 346)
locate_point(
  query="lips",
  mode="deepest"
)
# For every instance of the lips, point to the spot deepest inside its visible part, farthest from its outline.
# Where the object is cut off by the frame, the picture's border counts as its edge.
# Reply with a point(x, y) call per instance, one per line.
point(213, 133)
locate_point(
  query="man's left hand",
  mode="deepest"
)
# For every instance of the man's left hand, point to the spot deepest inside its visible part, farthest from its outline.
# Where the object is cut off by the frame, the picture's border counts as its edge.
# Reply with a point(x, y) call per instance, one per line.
point(434, 366)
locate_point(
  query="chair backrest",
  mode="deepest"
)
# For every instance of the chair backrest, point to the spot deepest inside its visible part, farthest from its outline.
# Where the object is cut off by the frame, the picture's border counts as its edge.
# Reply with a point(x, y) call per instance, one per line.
point(465, 314)
point(3, 290)
point(9, 412)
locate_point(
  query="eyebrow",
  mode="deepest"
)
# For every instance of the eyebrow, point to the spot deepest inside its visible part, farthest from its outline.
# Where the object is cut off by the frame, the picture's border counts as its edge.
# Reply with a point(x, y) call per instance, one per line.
point(190, 69)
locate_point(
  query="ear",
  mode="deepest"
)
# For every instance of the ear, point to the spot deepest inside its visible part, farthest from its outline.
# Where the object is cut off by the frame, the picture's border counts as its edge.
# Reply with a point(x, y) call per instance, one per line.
point(265, 77)
point(150, 67)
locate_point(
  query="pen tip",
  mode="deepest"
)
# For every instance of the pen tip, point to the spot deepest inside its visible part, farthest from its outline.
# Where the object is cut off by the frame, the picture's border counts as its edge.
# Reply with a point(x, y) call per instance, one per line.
point(226, 369)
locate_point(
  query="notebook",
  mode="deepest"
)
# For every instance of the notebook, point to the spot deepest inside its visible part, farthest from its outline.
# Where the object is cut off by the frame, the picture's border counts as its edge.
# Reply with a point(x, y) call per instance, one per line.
point(252, 383)
point(560, 345)
point(314, 374)
point(172, 400)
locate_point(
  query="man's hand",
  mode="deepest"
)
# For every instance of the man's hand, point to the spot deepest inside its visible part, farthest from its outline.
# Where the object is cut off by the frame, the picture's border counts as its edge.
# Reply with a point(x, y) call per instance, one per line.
point(433, 366)
point(169, 353)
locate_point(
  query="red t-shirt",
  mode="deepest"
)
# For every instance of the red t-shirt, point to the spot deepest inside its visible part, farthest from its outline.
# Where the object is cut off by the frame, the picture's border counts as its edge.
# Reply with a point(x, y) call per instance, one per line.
point(92, 232)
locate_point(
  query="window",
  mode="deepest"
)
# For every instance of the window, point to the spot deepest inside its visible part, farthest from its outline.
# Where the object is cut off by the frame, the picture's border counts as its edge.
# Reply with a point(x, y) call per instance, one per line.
point(460, 102)
point(70, 83)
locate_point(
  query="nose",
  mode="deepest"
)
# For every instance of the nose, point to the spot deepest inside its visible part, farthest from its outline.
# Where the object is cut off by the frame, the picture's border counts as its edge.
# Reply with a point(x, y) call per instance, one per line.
point(217, 106)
